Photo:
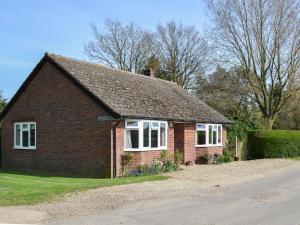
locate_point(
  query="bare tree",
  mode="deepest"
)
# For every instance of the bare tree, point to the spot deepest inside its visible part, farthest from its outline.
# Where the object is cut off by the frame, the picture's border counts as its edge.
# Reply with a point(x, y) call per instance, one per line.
point(263, 36)
point(182, 53)
point(126, 47)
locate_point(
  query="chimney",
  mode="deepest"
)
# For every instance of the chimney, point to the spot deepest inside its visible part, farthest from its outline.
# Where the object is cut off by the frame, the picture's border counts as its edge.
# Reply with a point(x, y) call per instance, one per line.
point(149, 72)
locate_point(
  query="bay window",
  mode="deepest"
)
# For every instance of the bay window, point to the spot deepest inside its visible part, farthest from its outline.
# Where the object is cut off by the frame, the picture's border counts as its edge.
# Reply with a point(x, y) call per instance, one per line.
point(145, 135)
point(208, 134)
point(25, 135)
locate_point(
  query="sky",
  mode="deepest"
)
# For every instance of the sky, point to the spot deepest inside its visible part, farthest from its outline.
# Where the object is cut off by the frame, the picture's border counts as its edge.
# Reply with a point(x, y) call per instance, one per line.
point(29, 28)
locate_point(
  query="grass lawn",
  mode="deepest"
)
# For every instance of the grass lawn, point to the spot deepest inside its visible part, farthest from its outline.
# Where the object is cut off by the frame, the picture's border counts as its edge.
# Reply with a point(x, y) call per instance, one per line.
point(21, 189)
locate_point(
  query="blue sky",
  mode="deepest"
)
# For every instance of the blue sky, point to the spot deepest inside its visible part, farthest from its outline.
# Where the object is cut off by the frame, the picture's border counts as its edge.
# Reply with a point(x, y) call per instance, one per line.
point(29, 28)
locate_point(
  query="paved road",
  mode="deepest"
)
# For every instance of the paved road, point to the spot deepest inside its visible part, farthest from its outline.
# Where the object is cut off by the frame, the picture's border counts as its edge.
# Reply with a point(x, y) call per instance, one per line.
point(273, 200)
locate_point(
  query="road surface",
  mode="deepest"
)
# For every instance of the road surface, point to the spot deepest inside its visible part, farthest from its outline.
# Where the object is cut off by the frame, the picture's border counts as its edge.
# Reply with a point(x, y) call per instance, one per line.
point(272, 200)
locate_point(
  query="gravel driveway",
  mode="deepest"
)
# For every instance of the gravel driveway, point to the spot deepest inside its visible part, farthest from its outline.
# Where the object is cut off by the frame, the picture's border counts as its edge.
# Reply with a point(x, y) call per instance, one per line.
point(198, 181)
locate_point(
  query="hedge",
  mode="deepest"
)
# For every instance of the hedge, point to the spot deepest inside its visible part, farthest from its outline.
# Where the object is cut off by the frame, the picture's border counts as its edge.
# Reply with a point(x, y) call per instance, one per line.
point(273, 144)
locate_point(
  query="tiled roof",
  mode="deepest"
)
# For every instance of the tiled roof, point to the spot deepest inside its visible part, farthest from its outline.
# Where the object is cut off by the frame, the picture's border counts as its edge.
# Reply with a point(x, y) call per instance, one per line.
point(135, 95)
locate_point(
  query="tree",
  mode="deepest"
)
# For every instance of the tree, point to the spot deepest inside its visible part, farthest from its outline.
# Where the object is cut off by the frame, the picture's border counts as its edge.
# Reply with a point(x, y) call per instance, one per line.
point(182, 53)
point(126, 47)
point(263, 36)
point(2, 102)
point(226, 91)
point(289, 117)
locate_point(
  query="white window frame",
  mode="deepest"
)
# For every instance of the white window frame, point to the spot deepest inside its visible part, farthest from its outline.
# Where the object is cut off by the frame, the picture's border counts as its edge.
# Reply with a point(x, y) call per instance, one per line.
point(21, 135)
point(141, 135)
point(206, 129)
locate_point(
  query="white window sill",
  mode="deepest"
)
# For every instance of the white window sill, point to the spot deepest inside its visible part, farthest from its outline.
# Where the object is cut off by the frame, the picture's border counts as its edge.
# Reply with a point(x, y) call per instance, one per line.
point(22, 148)
point(206, 146)
point(144, 149)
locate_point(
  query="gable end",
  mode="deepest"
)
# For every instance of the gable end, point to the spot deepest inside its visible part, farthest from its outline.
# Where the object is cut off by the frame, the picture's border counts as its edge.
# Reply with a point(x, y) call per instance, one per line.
point(36, 70)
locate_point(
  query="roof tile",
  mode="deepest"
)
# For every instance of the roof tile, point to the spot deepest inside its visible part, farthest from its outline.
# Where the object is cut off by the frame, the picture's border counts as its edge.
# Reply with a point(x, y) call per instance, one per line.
point(136, 95)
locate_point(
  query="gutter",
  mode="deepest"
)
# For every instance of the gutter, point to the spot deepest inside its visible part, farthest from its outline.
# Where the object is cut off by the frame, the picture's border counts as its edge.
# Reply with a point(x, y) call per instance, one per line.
point(115, 148)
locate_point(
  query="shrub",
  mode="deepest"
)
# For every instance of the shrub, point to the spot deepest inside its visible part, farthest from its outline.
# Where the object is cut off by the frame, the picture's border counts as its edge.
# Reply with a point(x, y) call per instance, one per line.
point(165, 163)
point(164, 156)
point(208, 159)
point(126, 161)
point(178, 157)
point(273, 144)
point(169, 166)
point(168, 161)
point(239, 129)
point(225, 158)
point(155, 167)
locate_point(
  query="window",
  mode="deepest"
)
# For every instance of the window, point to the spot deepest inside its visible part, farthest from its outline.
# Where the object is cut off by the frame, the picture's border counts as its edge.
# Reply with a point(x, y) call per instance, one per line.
point(208, 134)
point(145, 135)
point(201, 134)
point(132, 134)
point(25, 135)
point(163, 134)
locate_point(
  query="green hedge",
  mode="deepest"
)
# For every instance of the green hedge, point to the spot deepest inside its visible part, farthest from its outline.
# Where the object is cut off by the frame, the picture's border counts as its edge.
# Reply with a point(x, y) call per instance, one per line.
point(273, 144)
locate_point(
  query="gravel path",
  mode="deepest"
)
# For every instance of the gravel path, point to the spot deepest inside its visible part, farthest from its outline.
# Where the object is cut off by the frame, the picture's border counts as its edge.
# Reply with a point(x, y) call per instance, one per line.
point(197, 180)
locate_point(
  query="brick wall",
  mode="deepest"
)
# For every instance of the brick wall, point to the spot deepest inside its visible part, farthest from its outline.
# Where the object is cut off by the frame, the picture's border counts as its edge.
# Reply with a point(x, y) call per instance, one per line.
point(70, 140)
point(185, 139)
point(140, 157)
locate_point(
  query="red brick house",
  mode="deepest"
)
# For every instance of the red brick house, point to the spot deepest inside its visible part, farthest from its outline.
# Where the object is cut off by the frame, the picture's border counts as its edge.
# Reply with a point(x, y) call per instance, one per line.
point(77, 118)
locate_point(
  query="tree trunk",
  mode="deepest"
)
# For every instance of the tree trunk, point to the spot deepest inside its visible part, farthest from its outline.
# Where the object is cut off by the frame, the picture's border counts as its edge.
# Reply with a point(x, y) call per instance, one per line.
point(268, 122)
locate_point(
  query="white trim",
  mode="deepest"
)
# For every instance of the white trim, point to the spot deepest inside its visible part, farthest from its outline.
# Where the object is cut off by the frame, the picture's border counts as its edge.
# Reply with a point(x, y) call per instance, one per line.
point(205, 146)
point(140, 128)
point(21, 135)
point(206, 129)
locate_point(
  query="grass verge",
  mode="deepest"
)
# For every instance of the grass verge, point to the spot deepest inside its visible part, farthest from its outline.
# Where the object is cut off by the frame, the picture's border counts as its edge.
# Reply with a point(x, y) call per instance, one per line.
point(23, 189)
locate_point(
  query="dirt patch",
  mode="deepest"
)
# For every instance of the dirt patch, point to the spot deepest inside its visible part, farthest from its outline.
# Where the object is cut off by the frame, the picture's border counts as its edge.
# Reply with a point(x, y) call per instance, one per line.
point(197, 180)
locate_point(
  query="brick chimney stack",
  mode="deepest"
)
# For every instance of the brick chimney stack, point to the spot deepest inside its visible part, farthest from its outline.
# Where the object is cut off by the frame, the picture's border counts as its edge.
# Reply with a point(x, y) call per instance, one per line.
point(149, 72)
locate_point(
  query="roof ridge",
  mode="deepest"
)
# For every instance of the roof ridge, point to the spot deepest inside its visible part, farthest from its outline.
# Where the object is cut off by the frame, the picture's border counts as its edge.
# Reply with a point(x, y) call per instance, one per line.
point(51, 55)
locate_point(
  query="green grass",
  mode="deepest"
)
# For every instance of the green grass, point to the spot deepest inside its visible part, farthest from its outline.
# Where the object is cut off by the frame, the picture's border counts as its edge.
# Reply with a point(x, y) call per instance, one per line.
point(22, 188)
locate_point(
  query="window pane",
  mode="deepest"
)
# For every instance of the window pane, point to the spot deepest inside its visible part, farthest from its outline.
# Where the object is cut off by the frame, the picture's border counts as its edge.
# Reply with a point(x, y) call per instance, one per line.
point(32, 135)
point(214, 137)
point(25, 138)
point(132, 123)
point(154, 138)
point(25, 126)
point(201, 137)
point(162, 134)
point(200, 127)
point(132, 138)
point(146, 128)
point(210, 134)
point(219, 134)
point(18, 135)
point(155, 124)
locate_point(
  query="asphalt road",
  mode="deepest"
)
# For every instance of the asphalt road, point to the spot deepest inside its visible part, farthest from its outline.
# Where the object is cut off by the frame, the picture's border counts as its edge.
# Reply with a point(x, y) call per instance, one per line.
point(272, 200)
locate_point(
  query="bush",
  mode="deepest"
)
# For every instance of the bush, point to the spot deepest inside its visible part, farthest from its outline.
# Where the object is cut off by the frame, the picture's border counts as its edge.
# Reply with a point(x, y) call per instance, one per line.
point(165, 163)
point(164, 156)
point(126, 162)
point(178, 157)
point(239, 129)
point(169, 166)
point(225, 158)
point(155, 167)
point(208, 159)
point(273, 144)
